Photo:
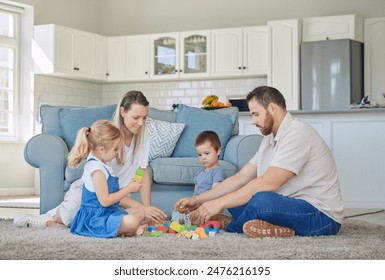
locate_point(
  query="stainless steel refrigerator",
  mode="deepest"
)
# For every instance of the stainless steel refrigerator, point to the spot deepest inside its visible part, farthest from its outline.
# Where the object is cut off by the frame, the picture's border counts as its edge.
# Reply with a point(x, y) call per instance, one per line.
point(332, 74)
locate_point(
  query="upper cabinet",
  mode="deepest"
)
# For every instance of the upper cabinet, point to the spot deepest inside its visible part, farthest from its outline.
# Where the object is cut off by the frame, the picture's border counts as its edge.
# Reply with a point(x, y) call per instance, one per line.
point(128, 58)
point(333, 27)
point(284, 45)
point(375, 59)
point(179, 55)
point(68, 52)
point(239, 51)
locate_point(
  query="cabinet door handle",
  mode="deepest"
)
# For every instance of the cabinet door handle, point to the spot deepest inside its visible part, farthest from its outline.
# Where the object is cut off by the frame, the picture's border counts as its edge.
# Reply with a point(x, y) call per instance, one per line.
point(244, 67)
point(146, 72)
point(240, 68)
point(180, 70)
point(107, 74)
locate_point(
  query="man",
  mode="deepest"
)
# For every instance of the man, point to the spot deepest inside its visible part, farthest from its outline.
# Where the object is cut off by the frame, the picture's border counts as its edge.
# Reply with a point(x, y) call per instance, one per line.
point(289, 187)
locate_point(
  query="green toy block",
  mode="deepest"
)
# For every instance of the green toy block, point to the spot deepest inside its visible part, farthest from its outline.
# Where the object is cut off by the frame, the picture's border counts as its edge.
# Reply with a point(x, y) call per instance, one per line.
point(156, 233)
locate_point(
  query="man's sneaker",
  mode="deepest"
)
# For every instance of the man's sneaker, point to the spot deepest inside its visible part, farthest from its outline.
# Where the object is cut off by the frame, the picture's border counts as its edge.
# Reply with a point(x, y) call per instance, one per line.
point(259, 228)
point(32, 220)
point(223, 219)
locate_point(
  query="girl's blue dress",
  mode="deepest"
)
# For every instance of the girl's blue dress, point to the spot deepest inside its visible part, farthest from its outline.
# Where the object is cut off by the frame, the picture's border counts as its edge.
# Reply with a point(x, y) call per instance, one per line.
point(93, 219)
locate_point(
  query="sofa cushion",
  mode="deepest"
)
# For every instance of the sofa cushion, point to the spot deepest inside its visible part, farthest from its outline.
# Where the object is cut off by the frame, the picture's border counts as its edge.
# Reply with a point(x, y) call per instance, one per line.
point(72, 119)
point(163, 137)
point(163, 115)
point(198, 120)
point(50, 118)
point(181, 171)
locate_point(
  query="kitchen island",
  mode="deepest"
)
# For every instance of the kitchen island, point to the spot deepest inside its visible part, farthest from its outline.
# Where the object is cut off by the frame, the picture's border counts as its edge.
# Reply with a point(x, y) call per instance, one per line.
point(356, 138)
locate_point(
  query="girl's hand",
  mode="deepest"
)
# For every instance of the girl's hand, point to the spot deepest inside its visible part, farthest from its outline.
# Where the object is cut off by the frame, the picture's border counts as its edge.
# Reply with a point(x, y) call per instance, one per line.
point(134, 186)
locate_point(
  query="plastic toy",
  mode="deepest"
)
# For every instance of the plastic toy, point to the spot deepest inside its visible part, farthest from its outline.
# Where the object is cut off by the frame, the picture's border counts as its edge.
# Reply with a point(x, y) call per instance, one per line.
point(139, 174)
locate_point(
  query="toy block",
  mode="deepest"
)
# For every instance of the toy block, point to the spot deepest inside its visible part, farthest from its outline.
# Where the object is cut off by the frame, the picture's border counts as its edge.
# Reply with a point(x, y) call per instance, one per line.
point(171, 231)
point(187, 234)
point(156, 233)
point(212, 233)
point(161, 228)
point(151, 228)
point(201, 232)
point(178, 227)
point(213, 224)
point(139, 175)
point(208, 230)
point(195, 236)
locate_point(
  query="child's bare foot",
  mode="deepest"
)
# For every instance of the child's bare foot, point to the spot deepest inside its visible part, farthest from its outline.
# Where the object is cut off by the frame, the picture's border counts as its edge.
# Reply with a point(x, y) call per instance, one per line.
point(54, 224)
point(141, 229)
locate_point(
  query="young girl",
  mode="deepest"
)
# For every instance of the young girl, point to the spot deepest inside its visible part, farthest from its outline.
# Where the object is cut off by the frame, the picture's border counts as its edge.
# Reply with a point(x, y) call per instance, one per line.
point(99, 214)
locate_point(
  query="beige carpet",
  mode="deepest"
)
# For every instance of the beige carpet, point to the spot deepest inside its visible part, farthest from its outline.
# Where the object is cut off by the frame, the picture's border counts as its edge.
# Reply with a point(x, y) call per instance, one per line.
point(355, 212)
point(356, 240)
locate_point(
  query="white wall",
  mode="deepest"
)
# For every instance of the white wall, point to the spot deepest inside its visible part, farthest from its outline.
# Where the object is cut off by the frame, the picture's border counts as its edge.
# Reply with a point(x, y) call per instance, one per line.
point(125, 17)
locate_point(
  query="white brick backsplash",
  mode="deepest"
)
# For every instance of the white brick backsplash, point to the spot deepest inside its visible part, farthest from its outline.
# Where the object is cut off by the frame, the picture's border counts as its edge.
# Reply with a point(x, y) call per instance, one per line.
point(161, 94)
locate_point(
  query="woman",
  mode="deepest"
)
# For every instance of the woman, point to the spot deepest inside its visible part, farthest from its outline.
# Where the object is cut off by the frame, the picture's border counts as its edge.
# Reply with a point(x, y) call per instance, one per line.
point(130, 117)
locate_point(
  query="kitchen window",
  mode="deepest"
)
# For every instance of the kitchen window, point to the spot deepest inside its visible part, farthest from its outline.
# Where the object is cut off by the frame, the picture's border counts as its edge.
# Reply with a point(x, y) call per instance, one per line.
point(15, 71)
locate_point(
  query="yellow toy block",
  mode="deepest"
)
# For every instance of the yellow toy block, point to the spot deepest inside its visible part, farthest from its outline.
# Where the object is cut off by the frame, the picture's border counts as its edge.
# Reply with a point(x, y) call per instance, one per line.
point(139, 175)
point(177, 227)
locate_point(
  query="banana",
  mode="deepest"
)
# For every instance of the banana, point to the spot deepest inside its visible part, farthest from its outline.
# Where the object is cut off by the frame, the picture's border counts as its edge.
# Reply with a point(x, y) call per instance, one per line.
point(209, 100)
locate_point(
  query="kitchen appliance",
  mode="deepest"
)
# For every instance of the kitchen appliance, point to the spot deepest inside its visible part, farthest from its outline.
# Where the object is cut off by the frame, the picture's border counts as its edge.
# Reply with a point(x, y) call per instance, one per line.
point(241, 104)
point(332, 74)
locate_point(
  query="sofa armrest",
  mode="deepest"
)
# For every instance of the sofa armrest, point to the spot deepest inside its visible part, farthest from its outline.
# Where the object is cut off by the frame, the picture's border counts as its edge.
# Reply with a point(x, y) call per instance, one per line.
point(48, 152)
point(241, 148)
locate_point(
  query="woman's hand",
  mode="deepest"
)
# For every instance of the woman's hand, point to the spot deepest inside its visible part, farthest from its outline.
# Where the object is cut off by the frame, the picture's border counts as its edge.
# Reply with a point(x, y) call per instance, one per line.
point(153, 215)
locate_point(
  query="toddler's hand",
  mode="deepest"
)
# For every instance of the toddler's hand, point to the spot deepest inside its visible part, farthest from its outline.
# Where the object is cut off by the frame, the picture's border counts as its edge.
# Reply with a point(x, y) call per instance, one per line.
point(134, 186)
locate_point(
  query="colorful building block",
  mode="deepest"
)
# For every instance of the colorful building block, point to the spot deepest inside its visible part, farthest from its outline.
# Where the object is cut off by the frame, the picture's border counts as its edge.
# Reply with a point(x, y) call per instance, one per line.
point(201, 232)
point(178, 227)
point(139, 175)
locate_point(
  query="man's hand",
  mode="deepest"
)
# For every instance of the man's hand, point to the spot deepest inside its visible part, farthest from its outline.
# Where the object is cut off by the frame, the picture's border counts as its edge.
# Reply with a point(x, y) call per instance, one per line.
point(188, 204)
point(207, 210)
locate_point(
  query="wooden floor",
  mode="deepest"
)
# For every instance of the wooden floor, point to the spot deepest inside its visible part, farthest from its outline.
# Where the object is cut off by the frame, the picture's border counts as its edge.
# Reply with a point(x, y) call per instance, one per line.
point(10, 213)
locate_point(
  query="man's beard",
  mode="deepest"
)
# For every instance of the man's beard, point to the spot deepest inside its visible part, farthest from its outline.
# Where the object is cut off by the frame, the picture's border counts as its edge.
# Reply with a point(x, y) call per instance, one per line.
point(268, 125)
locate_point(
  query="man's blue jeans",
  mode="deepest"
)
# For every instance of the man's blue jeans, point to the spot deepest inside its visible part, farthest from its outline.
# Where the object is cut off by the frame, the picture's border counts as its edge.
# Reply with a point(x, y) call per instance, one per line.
point(305, 219)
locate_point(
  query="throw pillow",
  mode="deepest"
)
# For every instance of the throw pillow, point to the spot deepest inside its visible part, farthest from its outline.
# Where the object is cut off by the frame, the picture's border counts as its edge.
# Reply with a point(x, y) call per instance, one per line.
point(71, 120)
point(163, 137)
point(198, 120)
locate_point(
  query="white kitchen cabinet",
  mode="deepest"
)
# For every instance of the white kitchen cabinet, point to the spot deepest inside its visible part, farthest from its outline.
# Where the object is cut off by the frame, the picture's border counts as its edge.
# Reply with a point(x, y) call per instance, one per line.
point(64, 51)
point(116, 58)
point(128, 58)
point(283, 74)
point(375, 59)
point(101, 46)
point(194, 54)
point(179, 55)
point(333, 27)
point(239, 51)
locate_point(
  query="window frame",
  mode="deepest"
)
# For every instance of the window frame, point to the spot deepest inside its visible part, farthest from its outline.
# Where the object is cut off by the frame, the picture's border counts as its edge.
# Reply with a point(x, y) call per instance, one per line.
point(22, 107)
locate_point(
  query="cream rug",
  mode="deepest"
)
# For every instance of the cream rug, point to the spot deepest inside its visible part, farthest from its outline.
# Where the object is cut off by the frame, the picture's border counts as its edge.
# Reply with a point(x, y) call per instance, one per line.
point(356, 240)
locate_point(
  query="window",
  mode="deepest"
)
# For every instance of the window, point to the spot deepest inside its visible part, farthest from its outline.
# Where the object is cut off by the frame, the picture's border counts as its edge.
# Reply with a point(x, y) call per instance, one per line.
point(15, 70)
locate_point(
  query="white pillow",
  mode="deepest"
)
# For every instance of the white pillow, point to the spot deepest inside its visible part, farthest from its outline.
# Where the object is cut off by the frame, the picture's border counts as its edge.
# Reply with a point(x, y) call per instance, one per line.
point(163, 137)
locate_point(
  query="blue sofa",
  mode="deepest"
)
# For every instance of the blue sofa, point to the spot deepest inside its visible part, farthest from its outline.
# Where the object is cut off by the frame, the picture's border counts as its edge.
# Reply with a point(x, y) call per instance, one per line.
point(172, 173)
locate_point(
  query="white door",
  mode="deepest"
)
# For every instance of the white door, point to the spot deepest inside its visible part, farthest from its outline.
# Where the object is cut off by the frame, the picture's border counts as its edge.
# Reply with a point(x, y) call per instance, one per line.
point(137, 57)
point(101, 57)
point(64, 50)
point(164, 59)
point(116, 59)
point(85, 54)
point(255, 50)
point(284, 44)
point(226, 54)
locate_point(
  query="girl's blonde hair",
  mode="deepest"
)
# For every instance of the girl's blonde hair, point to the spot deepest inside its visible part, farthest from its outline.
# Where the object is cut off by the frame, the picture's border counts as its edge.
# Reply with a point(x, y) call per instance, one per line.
point(102, 133)
point(129, 98)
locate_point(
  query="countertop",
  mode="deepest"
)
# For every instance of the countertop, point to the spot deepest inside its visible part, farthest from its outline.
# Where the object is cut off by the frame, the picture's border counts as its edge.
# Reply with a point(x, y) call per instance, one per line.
point(347, 111)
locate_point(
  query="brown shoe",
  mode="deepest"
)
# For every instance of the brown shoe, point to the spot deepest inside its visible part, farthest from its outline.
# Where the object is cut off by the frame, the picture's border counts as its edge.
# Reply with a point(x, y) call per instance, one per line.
point(260, 229)
point(223, 219)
